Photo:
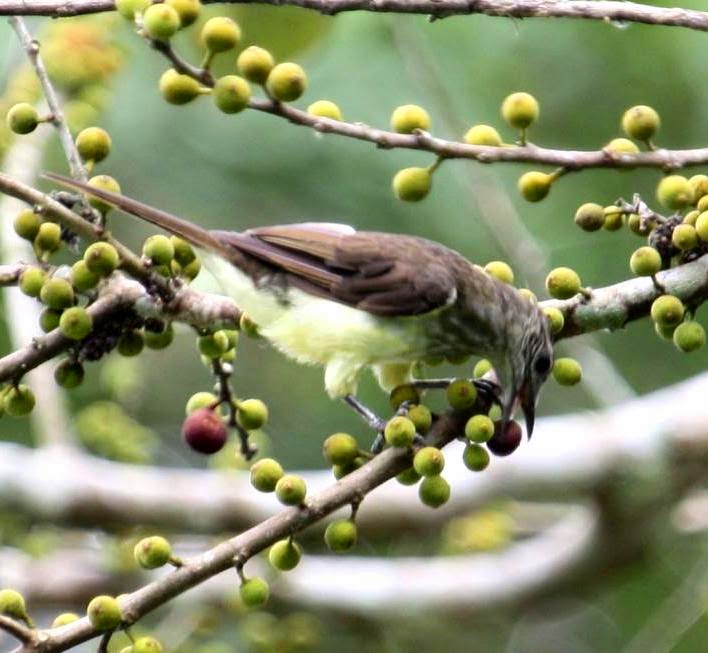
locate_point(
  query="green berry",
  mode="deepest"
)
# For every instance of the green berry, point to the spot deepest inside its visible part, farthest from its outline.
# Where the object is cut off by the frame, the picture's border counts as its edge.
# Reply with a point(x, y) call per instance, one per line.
point(567, 371)
point(254, 592)
point(178, 89)
point(291, 490)
point(48, 238)
point(674, 192)
point(76, 323)
point(482, 366)
point(434, 491)
point(340, 471)
point(403, 393)
point(500, 271)
point(409, 117)
point(49, 319)
point(475, 457)
point(691, 217)
point(286, 82)
point(220, 34)
point(285, 555)
point(128, 8)
point(146, 645)
point(461, 394)
point(22, 118)
point(645, 261)
point(200, 400)
point(528, 294)
point(399, 432)
point(191, 271)
point(93, 144)
point(183, 251)
point(340, 535)
point(252, 414)
point(412, 184)
point(408, 477)
point(340, 449)
point(57, 293)
point(27, 224)
point(161, 21)
point(563, 283)
point(325, 109)
point(479, 428)
point(689, 336)
point(622, 146)
point(104, 613)
point(12, 604)
point(590, 217)
point(64, 618)
point(429, 461)
point(130, 343)
point(421, 417)
point(520, 110)
point(187, 10)
point(69, 374)
point(667, 310)
point(31, 281)
point(255, 64)
point(555, 318)
point(636, 226)
point(152, 552)
point(213, 345)
point(613, 218)
point(101, 258)
point(103, 182)
point(265, 474)
point(684, 237)
point(159, 249)
point(534, 186)
point(702, 226)
point(82, 278)
point(231, 93)
point(699, 183)
point(641, 122)
point(159, 340)
point(483, 135)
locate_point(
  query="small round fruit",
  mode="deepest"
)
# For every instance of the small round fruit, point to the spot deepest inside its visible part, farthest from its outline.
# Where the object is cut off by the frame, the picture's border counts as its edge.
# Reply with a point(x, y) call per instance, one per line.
point(204, 431)
point(399, 432)
point(590, 216)
point(201, 400)
point(178, 89)
point(520, 110)
point(252, 414)
point(69, 374)
point(103, 182)
point(613, 218)
point(48, 238)
point(622, 146)
point(691, 217)
point(12, 604)
point(32, 280)
point(500, 271)
point(409, 117)
point(663, 331)
point(285, 555)
point(57, 293)
point(146, 645)
point(482, 366)
point(231, 93)
point(184, 253)
point(22, 118)
point(161, 21)
point(479, 428)
point(130, 343)
point(340, 535)
point(475, 457)
point(340, 449)
point(667, 310)
point(291, 490)
point(689, 336)
point(49, 319)
point(645, 261)
point(325, 109)
point(159, 249)
point(461, 394)
point(27, 224)
point(702, 226)
point(128, 8)
point(504, 442)
point(641, 122)
point(104, 613)
point(567, 371)
point(434, 491)
point(412, 184)
point(534, 186)
point(555, 318)
point(636, 226)
point(408, 477)
point(213, 345)
point(483, 135)
point(286, 82)
point(187, 10)
point(82, 278)
point(64, 618)
point(563, 283)
point(429, 461)
point(220, 34)
point(254, 592)
point(421, 417)
point(674, 192)
point(255, 64)
point(93, 144)
point(684, 237)
point(403, 393)
point(152, 552)
point(265, 474)
point(101, 258)
point(76, 323)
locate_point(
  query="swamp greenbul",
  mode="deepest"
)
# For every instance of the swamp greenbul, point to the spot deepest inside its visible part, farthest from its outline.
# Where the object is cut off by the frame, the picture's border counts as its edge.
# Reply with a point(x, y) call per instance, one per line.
point(328, 295)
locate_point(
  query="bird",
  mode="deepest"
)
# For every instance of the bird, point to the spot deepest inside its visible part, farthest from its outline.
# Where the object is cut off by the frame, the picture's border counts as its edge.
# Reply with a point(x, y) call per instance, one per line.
point(326, 294)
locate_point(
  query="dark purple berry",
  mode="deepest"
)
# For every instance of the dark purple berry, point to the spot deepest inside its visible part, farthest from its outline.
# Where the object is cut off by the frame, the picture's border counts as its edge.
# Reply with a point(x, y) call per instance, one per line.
point(506, 442)
point(204, 431)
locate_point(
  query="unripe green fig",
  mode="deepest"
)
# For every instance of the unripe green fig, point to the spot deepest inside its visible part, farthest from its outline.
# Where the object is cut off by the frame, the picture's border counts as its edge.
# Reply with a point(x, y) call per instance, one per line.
point(421, 417)
point(93, 144)
point(201, 400)
point(482, 366)
point(429, 461)
point(31, 281)
point(567, 371)
point(674, 192)
point(220, 34)
point(285, 555)
point(101, 258)
point(691, 217)
point(49, 319)
point(76, 323)
point(22, 118)
point(191, 270)
point(409, 117)
point(645, 261)
point(475, 457)
point(340, 449)
point(48, 238)
point(622, 146)
point(702, 226)
point(590, 217)
point(483, 135)
point(152, 552)
point(64, 618)
point(434, 491)
point(178, 89)
point(408, 477)
point(57, 293)
point(104, 613)
point(130, 343)
point(160, 21)
point(684, 237)
point(563, 283)
point(104, 182)
point(613, 218)
point(255, 64)
point(555, 318)
point(265, 474)
point(69, 374)
point(128, 8)
point(340, 535)
point(231, 93)
point(291, 490)
point(689, 336)
point(286, 82)
point(27, 224)
point(187, 10)
point(403, 393)
point(412, 184)
point(252, 414)
point(520, 110)
point(184, 253)
point(500, 271)
point(399, 431)
point(479, 428)
point(534, 186)
point(12, 604)
point(159, 249)
point(254, 592)
point(325, 109)
point(667, 310)
point(461, 394)
point(641, 122)
point(159, 340)
point(699, 183)
point(213, 345)
point(82, 278)
point(637, 226)
point(146, 645)
point(528, 294)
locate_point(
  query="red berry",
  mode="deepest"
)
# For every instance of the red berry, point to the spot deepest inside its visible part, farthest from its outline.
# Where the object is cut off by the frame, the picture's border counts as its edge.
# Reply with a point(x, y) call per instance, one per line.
point(504, 443)
point(204, 431)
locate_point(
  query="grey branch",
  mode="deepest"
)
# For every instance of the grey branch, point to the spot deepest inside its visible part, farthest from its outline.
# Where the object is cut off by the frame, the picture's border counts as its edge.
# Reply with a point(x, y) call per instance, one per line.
point(17, 630)
point(10, 274)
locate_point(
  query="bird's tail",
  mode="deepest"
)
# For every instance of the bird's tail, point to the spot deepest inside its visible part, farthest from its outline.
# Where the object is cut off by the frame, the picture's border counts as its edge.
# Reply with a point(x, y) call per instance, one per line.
point(192, 233)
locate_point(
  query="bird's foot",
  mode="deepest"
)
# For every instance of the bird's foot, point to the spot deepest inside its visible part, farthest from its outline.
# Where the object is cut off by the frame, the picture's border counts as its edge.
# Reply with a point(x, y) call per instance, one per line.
point(377, 423)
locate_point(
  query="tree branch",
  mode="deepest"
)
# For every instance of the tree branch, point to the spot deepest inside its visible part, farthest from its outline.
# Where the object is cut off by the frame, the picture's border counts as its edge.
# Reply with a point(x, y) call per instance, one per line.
point(17, 630)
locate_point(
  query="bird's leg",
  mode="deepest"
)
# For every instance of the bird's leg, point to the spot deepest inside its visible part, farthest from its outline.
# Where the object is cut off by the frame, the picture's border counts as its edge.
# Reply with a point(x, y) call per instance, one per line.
point(371, 418)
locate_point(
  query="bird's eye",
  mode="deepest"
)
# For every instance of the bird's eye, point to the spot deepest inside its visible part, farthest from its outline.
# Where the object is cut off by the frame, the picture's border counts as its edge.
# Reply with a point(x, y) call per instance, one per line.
point(542, 364)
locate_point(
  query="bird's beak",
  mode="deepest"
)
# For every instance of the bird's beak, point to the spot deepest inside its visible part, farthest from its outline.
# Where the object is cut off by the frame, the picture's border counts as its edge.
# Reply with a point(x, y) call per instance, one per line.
point(522, 397)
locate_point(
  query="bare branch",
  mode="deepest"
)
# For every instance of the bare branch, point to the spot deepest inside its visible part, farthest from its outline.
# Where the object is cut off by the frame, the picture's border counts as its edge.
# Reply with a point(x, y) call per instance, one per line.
point(17, 630)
